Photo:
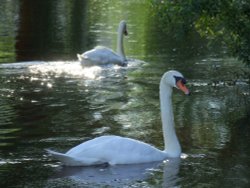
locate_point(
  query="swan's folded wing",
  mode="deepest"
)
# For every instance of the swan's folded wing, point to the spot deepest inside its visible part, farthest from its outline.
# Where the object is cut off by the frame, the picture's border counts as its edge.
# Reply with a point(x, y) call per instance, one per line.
point(130, 151)
point(101, 55)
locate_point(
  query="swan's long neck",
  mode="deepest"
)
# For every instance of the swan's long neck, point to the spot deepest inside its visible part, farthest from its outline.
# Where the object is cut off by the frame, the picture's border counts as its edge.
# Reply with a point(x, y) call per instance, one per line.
point(172, 146)
point(120, 48)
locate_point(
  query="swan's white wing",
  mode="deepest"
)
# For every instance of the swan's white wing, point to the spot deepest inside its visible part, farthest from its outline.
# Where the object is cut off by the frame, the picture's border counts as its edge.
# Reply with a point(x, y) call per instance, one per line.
point(117, 150)
point(100, 55)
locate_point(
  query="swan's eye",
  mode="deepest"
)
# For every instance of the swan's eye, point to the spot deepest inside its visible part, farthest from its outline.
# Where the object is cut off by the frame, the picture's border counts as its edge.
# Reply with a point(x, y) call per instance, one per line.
point(183, 80)
point(180, 84)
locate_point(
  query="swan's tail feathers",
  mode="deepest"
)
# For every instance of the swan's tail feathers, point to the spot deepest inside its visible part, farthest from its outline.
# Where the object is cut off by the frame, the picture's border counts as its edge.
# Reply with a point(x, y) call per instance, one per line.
point(80, 57)
point(65, 159)
point(73, 161)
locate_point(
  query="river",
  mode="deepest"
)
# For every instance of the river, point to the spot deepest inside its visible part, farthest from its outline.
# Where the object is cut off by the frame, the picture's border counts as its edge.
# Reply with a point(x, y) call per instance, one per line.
point(48, 100)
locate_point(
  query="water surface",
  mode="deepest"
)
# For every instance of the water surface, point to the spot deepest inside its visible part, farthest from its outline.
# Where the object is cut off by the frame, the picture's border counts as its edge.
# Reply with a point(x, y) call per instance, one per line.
point(48, 100)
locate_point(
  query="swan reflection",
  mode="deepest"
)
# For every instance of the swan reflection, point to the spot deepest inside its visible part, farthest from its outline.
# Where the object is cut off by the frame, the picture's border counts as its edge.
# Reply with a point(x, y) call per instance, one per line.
point(122, 175)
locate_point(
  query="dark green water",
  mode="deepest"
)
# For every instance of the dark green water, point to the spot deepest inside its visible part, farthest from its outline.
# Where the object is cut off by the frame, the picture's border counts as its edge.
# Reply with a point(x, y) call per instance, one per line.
point(47, 100)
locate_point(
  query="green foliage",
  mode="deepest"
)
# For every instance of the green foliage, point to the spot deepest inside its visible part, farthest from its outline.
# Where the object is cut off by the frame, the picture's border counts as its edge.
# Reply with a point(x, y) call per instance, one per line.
point(227, 21)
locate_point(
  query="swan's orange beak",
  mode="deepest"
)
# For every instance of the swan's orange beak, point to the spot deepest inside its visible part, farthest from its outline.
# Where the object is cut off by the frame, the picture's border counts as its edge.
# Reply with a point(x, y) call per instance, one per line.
point(182, 87)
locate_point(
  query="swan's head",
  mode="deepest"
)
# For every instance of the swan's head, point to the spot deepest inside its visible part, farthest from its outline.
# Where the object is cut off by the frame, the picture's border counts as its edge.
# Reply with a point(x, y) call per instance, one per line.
point(176, 79)
point(123, 27)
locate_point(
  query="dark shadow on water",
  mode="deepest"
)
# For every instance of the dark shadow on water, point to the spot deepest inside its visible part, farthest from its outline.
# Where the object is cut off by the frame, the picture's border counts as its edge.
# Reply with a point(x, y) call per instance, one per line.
point(234, 157)
point(120, 175)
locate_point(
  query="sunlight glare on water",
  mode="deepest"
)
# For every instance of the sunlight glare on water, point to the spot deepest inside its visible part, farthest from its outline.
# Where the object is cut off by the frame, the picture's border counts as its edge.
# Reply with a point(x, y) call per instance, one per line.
point(49, 101)
point(70, 68)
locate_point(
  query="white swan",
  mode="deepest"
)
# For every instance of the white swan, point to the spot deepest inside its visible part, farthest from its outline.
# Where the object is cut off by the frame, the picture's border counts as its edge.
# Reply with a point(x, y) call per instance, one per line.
point(101, 55)
point(121, 150)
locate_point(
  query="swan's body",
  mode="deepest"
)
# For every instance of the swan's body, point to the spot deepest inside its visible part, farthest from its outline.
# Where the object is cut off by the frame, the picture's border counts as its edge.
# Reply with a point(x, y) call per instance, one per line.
point(122, 150)
point(101, 55)
point(113, 150)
